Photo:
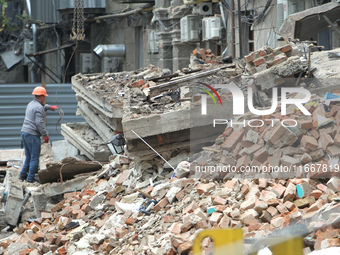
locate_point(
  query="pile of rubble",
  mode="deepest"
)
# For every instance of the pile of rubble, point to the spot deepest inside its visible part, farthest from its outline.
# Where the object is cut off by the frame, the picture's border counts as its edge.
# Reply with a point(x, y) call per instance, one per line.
point(141, 206)
point(121, 212)
point(308, 145)
point(119, 103)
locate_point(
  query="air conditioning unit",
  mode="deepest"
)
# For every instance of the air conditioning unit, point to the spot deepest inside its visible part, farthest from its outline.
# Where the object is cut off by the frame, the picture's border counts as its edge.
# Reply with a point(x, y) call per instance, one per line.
point(86, 62)
point(204, 9)
point(153, 42)
point(190, 28)
point(211, 28)
point(110, 64)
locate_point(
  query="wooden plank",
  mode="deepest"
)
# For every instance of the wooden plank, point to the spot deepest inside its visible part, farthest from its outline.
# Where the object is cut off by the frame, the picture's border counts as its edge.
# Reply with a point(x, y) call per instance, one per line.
point(179, 81)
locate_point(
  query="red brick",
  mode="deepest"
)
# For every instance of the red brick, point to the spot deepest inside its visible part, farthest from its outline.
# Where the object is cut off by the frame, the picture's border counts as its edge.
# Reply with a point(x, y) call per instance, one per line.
point(46, 215)
point(121, 232)
point(186, 226)
point(282, 209)
point(86, 208)
point(231, 184)
point(243, 161)
point(330, 242)
point(59, 240)
point(233, 139)
point(306, 158)
point(111, 194)
point(316, 206)
point(263, 183)
point(309, 142)
point(180, 194)
point(290, 193)
point(316, 193)
point(261, 155)
point(38, 237)
point(138, 83)
point(202, 52)
point(184, 247)
point(286, 48)
point(204, 188)
point(262, 53)
point(215, 218)
point(25, 252)
point(333, 151)
point(272, 210)
point(259, 61)
point(176, 228)
point(315, 134)
point(337, 140)
point(224, 222)
point(52, 238)
point(61, 250)
point(279, 190)
point(307, 124)
point(112, 201)
point(129, 221)
point(190, 208)
point(325, 140)
point(168, 219)
point(276, 133)
point(273, 202)
point(322, 187)
point(161, 204)
point(123, 177)
point(250, 57)
point(278, 59)
point(89, 192)
point(219, 201)
point(245, 189)
point(202, 224)
point(187, 182)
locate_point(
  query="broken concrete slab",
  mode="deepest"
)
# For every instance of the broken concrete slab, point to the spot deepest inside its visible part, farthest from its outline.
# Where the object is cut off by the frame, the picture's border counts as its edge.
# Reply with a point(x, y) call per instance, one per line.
point(85, 139)
point(110, 107)
point(66, 169)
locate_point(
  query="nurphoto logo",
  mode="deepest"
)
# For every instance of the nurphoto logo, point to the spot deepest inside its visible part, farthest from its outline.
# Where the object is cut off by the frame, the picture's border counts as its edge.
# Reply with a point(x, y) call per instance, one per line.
point(239, 99)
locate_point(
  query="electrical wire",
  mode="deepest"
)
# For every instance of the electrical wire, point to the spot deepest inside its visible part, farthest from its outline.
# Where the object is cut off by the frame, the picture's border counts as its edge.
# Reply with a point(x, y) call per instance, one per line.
point(61, 112)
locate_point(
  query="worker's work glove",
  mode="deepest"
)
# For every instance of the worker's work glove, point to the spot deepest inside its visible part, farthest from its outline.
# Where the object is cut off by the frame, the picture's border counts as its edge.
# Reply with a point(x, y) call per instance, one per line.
point(46, 139)
point(54, 107)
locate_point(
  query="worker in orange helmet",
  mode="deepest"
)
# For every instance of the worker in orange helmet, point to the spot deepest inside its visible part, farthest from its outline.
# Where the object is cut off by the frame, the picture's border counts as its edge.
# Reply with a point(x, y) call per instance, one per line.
point(32, 129)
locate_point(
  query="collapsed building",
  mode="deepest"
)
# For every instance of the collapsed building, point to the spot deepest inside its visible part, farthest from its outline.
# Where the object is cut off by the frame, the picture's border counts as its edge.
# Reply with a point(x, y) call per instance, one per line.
point(138, 204)
point(176, 176)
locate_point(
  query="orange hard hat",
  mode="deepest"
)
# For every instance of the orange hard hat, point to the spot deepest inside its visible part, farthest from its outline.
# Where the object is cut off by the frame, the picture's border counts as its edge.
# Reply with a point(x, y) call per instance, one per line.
point(40, 91)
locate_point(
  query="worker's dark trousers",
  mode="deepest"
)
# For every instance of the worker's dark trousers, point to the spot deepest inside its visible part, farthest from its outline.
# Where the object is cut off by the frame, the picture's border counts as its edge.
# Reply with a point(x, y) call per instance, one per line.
point(32, 145)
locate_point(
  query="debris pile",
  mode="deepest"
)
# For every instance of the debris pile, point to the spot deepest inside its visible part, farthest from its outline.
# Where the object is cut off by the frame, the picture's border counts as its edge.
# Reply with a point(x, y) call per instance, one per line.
point(119, 212)
point(308, 145)
point(125, 102)
point(141, 206)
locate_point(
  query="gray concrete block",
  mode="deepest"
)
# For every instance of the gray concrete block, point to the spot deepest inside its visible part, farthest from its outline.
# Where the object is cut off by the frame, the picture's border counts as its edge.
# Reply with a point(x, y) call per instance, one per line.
point(39, 202)
point(266, 79)
point(13, 204)
point(54, 189)
point(62, 149)
point(15, 248)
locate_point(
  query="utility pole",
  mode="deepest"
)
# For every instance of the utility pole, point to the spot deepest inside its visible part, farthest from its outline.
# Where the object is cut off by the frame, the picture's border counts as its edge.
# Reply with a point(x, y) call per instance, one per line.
point(233, 28)
point(239, 27)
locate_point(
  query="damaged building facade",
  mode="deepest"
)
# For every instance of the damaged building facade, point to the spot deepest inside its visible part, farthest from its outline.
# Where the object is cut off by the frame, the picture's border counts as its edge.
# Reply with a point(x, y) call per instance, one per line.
point(125, 35)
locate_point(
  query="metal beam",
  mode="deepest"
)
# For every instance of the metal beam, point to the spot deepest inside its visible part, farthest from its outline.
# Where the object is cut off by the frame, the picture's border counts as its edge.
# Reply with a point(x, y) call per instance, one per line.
point(335, 28)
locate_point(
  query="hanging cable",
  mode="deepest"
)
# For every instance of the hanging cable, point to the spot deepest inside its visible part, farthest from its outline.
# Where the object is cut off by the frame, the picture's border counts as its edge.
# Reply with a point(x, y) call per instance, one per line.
point(77, 35)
